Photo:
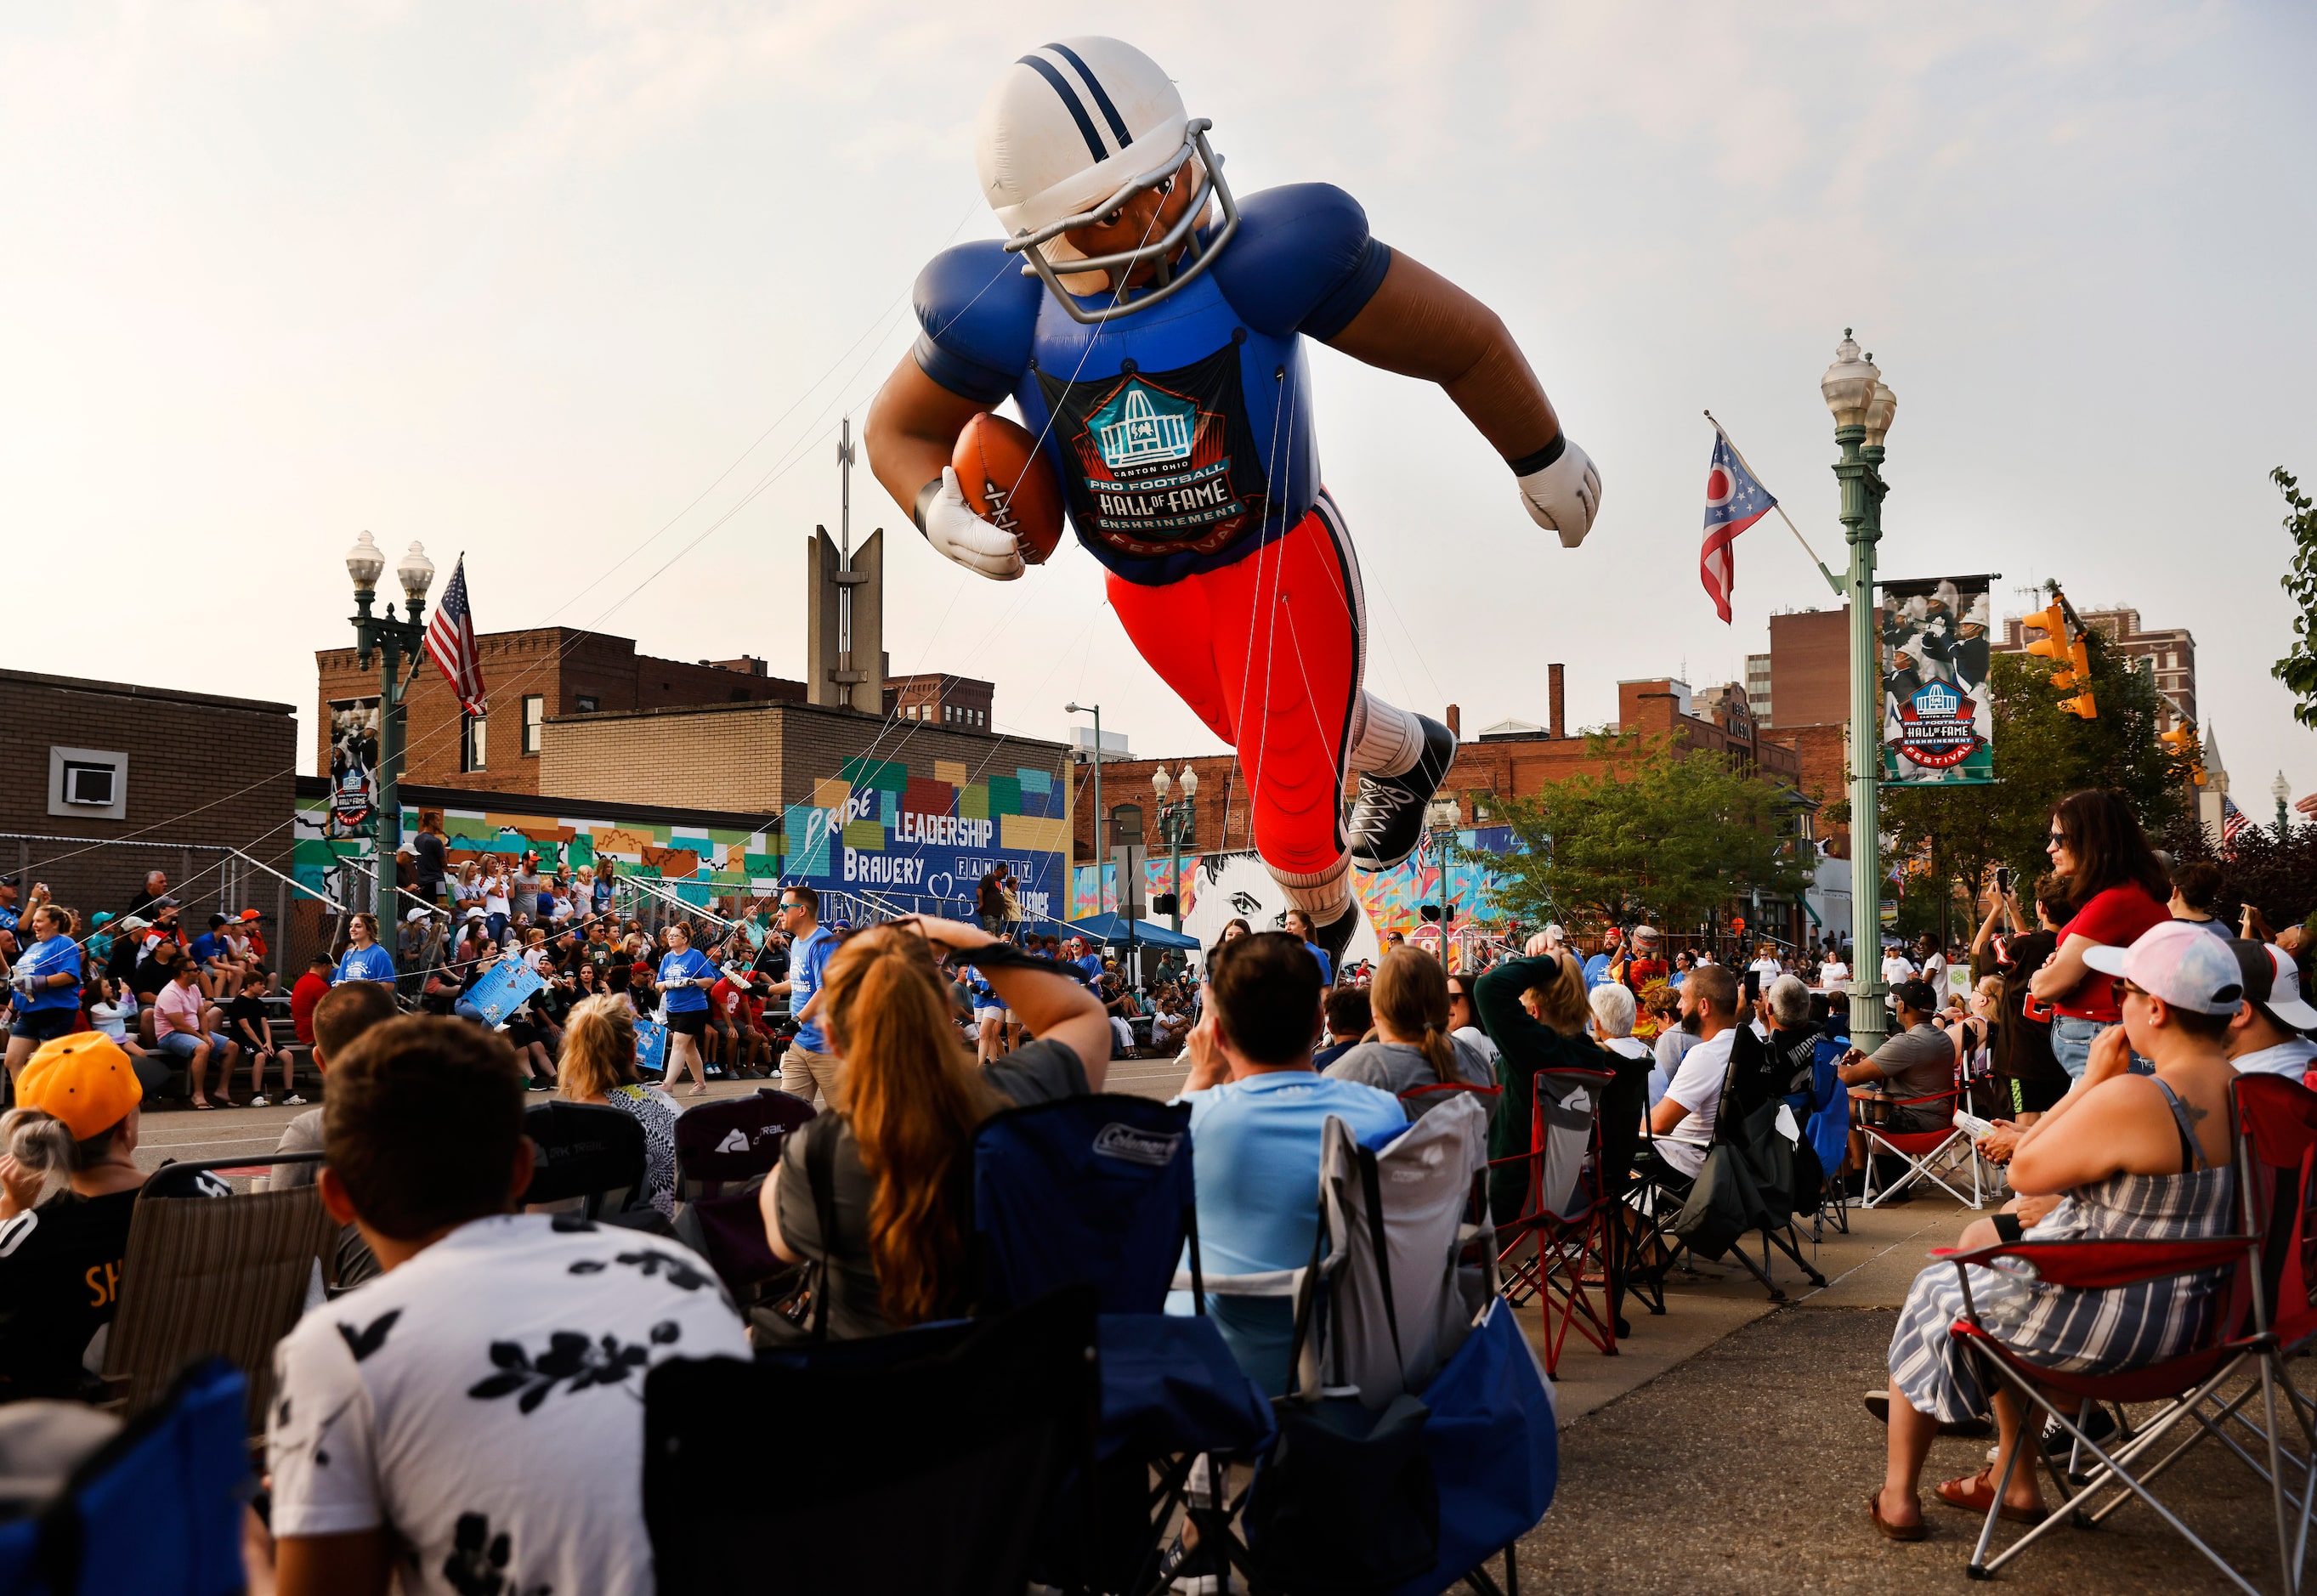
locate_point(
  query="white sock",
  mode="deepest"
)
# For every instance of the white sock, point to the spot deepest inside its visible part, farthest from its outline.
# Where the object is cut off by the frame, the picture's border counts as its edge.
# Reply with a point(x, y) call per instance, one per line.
point(1326, 895)
point(1385, 741)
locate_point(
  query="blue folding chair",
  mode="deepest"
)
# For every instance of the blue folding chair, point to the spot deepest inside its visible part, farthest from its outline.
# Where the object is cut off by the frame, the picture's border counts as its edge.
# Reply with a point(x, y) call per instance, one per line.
point(1097, 1191)
point(155, 1512)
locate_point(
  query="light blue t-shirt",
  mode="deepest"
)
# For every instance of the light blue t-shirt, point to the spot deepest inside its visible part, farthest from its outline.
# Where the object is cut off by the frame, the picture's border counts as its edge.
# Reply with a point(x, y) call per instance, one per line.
point(1255, 1159)
point(372, 963)
point(691, 963)
point(57, 956)
point(1596, 971)
point(807, 960)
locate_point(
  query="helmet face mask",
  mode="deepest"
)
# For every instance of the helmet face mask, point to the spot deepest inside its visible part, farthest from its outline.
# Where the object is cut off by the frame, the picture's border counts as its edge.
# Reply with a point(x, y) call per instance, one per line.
point(1159, 254)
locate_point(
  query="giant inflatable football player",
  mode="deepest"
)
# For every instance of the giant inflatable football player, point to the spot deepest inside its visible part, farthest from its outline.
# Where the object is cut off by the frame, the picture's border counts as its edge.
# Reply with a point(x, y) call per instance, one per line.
point(1150, 328)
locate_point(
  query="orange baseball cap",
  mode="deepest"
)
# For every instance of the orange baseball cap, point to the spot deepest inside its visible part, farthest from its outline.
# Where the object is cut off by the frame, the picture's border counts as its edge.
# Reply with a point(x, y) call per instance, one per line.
point(83, 1079)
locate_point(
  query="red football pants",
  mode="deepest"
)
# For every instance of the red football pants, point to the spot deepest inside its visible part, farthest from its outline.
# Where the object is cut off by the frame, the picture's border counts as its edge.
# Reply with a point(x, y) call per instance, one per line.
point(1269, 653)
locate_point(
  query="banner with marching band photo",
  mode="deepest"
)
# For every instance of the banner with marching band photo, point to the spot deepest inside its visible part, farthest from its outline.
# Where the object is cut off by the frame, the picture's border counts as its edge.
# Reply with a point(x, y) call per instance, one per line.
point(1938, 726)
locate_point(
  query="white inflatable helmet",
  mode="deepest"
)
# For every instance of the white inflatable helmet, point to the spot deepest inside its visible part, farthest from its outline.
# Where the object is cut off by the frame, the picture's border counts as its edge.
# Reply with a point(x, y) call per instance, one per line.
point(1071, 132)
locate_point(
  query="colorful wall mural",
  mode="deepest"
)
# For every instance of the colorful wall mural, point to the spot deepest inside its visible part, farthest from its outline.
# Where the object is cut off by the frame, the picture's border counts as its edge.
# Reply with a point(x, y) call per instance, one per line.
point(876, 832)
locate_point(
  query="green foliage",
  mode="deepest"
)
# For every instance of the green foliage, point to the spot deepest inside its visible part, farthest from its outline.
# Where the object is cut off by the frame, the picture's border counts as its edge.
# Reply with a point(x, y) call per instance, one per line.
point(2298, 669)
point(2271, 871)
point(2041, 753)
point(1666, 833)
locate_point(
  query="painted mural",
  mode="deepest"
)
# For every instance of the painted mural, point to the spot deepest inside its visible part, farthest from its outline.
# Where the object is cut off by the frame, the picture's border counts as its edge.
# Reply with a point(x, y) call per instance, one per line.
point(876, 834)
point(1218, 888)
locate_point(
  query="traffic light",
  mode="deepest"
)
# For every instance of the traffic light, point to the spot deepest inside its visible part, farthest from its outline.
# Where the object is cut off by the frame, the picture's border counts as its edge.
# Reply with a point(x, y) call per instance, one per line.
point(2054, 624)
point(2062, 643)
point(2081, 706)
point(1164, 904)
point(2179, 741)
point(1430, 912)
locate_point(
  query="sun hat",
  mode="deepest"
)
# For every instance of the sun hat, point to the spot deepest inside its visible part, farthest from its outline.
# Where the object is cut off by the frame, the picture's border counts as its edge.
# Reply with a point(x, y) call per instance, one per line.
point(2272, 983)
point(2187, 967)
point(82, 1079)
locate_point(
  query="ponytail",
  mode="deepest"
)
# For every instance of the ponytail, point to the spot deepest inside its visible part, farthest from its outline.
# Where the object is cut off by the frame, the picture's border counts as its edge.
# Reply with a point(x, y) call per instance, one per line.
point(1438, 1052)
point(42, 1142)
point(1411, 994)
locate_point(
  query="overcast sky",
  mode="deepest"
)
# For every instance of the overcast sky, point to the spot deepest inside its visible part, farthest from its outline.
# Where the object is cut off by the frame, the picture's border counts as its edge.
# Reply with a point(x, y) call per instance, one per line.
point(582, 290)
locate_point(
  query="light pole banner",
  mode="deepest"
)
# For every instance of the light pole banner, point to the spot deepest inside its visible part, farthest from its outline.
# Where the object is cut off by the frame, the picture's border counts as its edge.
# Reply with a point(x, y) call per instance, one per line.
point(1938, 726)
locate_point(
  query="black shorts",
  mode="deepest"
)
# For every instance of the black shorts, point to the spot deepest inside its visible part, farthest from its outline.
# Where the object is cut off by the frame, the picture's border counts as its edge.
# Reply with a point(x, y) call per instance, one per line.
point(689, 1022)
point(2015, 1096)
point(44, 1025)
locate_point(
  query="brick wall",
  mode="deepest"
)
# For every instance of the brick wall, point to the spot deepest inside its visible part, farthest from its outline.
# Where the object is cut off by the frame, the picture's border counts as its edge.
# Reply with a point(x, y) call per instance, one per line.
point(205, 772)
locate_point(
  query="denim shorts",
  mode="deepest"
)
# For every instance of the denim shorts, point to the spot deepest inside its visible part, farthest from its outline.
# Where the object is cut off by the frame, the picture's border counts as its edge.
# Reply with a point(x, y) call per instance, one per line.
point(44, 1025)
point(2071, 1045)
point(180, 1044)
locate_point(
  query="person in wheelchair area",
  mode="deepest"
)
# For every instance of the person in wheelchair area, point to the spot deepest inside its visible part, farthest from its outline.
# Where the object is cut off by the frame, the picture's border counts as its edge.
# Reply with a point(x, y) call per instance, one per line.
point(2124, 1156)
point(1915, 1061)
point(1681, 1125)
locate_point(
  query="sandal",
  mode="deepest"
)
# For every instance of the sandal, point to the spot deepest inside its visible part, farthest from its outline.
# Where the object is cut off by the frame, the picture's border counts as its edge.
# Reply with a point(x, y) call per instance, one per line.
point(1978, 1494)
point(1918, 1531)
point(204, 1107)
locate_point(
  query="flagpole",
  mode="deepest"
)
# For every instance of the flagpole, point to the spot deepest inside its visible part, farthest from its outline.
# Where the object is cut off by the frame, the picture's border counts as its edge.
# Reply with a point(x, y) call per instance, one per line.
point(1830, 579)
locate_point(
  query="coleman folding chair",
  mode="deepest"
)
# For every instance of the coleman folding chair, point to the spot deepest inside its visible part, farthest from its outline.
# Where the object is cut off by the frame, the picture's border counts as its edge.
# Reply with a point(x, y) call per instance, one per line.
point(1563, 1247)
point(732, 1144)
point(590, 1159)
point(1665, 1232)
point(2183, 1384)
point(1935, 1155)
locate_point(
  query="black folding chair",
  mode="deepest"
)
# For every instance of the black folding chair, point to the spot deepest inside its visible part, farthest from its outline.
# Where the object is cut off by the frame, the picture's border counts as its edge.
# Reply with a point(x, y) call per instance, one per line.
point(935, 1456)
point(733, 1142)
point(590, 1159)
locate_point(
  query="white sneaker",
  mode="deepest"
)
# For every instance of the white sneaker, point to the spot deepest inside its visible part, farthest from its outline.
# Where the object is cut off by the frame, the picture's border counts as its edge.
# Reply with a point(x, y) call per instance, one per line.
point(293, 1102)
point(258, 1103)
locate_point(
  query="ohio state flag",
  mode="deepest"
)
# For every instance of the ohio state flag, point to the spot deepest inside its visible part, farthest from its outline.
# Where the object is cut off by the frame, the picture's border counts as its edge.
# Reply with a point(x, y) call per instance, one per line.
point(1734, 501)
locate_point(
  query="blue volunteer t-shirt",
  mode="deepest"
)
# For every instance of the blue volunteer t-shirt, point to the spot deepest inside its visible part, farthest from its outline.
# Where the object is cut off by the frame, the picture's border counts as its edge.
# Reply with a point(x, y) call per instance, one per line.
point(1092, 965)
point(984, 995)
point(692, 964)
point(372, 963)
point(58, 955)
point(1596, 971)
point(807, 960)
point(8, 920)
point(1255, 1162)
point(1327, 964)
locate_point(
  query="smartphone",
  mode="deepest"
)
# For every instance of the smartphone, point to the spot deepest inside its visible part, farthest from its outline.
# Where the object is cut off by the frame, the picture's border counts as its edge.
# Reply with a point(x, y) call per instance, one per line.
point(1753, 986)
point(2002, 881)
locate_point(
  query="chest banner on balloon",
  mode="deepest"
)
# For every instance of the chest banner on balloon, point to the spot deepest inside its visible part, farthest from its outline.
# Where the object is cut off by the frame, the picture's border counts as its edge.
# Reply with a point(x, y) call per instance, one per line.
point(1938, 728)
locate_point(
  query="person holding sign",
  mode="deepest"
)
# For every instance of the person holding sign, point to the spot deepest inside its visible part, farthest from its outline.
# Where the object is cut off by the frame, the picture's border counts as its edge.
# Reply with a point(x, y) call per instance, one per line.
point(685, 977)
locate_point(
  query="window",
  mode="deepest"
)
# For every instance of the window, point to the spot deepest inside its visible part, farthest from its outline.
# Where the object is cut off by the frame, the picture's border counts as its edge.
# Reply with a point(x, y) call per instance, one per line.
point(534, 717)
point(589, 703)
point(473, 733)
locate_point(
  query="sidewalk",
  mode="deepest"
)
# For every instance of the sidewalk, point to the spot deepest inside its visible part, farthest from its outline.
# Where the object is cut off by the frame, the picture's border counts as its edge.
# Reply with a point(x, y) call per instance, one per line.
point(1726, 1449)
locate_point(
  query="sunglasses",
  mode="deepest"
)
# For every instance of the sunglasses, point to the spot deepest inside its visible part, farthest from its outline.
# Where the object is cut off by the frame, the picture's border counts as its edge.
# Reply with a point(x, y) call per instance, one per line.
point(2056, 840)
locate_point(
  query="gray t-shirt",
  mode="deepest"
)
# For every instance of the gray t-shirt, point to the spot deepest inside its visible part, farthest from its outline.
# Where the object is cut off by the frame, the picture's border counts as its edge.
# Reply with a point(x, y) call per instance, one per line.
point(1920, 1062)
point(1039, 1072)
point(1398, 1066)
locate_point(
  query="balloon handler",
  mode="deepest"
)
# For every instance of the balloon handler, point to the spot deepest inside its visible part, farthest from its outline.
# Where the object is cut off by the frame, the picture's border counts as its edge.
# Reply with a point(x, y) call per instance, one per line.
point(1151, 327)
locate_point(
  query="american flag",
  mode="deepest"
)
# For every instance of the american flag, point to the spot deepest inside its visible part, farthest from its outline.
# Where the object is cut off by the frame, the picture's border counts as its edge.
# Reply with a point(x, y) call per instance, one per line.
point(1734, 501)
point(2232, 820)
point(451, 639)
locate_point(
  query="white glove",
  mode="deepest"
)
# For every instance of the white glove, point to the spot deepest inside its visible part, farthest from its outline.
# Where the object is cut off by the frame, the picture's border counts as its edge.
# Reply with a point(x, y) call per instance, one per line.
point(953, 528)
point(1565, 496)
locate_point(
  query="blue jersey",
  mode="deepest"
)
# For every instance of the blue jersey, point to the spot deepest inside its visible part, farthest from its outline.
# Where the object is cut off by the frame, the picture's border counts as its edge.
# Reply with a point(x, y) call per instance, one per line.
point(57, 956)
point(1182, 435)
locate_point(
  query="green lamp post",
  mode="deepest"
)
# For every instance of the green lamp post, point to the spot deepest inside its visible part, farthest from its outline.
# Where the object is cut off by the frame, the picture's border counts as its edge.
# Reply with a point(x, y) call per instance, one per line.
point(1863, 407)
point(391, 639)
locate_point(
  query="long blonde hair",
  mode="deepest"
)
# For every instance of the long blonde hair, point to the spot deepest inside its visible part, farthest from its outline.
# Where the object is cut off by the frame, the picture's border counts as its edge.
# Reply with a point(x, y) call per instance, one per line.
point(1411, 994)
point(599, 1048)
point(1561, 998)
point(914, 1098)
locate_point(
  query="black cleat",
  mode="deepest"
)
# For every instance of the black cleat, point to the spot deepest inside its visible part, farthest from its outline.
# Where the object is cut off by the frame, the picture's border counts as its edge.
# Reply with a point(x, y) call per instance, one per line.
point(1388, 816)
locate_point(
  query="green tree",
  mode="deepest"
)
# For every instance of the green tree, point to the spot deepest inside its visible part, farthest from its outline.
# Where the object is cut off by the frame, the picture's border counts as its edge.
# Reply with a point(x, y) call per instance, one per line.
point(2041, 753)
point(2298, 669)
point(1665, 833)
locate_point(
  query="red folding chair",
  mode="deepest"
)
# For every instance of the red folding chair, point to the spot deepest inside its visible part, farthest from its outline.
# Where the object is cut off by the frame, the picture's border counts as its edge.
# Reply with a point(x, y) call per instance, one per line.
point(1929, 1154)
point(2184, 1383)
point(1567, 1227)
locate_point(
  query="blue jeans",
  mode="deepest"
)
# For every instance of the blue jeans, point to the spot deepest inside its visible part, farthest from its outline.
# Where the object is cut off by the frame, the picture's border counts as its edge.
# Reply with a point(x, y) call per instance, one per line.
point(2071, 1045)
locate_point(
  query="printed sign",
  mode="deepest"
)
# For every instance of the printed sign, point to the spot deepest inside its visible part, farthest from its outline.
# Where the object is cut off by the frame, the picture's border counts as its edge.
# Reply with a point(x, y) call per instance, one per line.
point(1937, 724)
point(651, 1047)
point(353, 756)
point(505, 987)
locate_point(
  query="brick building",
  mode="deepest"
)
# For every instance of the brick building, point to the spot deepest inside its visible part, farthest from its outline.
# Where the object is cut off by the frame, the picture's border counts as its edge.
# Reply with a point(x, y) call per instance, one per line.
point(1806, 702)
point(531, 677)
point(950, 700)
point(2170, 655)
point(101, 781)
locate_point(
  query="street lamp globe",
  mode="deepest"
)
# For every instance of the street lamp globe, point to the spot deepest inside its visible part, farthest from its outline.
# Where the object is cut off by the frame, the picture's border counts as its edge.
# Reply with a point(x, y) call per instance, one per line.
point(2281, 789)
point(1881, 410)
point(1188, 780)
point(365, 563)
point(1158, 783)
point(1849, 383)
point(416, 573)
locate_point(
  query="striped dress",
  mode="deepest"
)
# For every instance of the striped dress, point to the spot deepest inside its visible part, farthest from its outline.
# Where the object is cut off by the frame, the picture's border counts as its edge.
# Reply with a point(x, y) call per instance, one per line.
point(2060, 1327)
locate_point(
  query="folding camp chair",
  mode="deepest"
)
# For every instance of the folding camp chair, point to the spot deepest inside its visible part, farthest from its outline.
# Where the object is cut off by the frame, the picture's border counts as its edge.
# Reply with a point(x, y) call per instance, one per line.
point(935, 1456)
point(1932, 1155)
point(1827, 1126)
point(733, 1142)
point(1574, 1260)
point(155, 1511)
point(214, 1276)
point(1096, 1192)
point(2183, 1384)
point(590, 1159)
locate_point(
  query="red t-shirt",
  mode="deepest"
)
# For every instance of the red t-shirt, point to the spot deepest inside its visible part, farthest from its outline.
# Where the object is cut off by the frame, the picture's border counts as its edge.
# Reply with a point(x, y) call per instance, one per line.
point(2113, 918)
point(309, 990)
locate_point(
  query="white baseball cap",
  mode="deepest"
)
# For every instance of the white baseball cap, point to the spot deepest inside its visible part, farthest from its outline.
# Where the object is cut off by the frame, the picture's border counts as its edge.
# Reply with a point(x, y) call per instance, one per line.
point(2187, 967)
point(2273, 984)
